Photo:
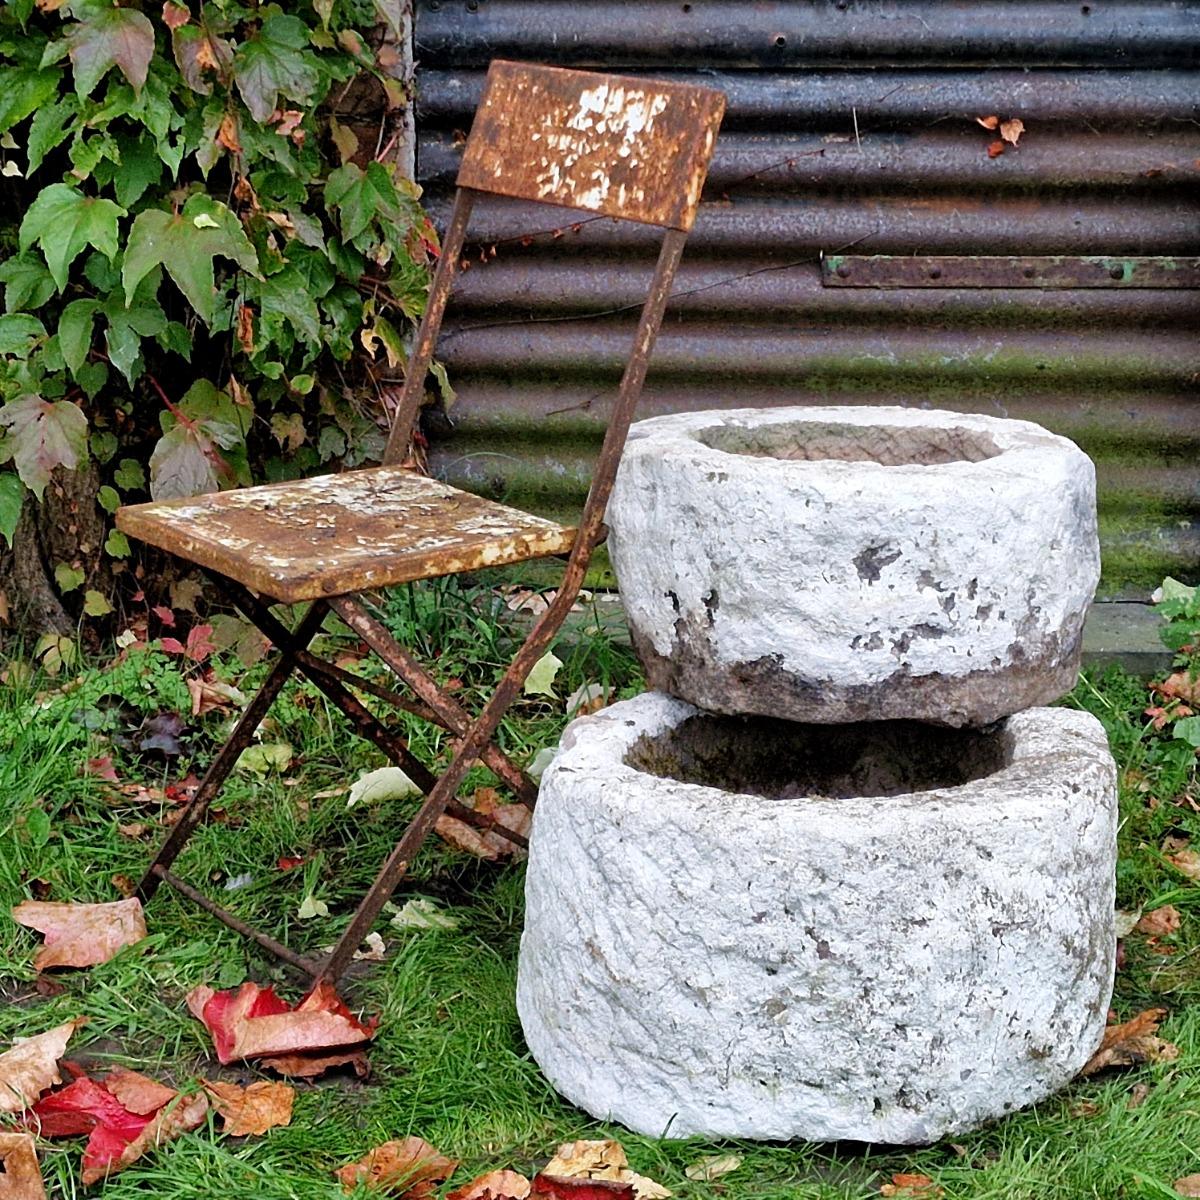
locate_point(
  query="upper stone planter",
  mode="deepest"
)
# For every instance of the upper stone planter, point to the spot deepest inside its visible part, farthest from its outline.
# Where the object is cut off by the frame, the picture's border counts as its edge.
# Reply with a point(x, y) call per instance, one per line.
point(845, 564)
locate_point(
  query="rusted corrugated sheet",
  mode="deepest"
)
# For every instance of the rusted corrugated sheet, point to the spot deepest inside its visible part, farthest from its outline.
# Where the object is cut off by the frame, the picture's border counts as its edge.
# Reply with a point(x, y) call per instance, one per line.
point(850, 130)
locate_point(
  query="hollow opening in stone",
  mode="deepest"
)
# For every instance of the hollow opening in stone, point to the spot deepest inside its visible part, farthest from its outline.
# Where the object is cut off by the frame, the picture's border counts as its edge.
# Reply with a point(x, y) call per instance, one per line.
point(887, 445)
point(781, 760)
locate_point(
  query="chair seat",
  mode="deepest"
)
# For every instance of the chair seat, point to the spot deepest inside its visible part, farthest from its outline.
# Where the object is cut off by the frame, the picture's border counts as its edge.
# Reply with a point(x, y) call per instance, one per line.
point(337, 534)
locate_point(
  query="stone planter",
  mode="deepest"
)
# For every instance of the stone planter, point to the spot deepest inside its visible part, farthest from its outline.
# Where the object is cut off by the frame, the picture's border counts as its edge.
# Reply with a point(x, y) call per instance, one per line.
point(741, 927)
point(844, 564)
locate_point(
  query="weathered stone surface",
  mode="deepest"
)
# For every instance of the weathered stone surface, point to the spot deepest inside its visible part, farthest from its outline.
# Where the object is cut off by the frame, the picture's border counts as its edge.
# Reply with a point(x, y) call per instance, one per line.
point(799, 956)
point(846, 564)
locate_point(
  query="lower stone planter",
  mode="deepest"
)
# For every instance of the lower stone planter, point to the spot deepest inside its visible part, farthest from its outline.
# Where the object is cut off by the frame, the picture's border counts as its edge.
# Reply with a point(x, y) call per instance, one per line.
point(746, 927)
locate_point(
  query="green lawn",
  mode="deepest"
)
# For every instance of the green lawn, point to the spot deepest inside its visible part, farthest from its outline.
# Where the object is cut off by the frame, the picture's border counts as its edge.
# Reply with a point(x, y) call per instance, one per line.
point(449, 1063)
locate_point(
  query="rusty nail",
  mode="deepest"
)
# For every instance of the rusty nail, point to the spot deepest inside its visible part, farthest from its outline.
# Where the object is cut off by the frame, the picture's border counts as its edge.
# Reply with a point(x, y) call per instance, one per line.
point(936, 273)
point(1116, 273)
point(843, 272)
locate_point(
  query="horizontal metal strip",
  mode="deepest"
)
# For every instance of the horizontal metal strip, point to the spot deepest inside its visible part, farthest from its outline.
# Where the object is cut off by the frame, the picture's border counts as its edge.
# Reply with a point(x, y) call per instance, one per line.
point(785, 33)
point(944, 159)
point(1012, 271)
point(698, 349)
point(964, 224)
point(1138, 423)
point(509, 290)
point(826, 101)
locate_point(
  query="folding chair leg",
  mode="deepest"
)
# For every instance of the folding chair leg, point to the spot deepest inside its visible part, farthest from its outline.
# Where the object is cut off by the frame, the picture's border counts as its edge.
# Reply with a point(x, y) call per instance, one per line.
point(450, 714)
point(466, 751)
point(219, 768)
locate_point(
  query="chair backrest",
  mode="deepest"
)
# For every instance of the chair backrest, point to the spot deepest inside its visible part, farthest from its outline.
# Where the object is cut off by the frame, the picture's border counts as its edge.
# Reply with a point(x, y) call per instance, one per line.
point(624, 147)
point(612, 144)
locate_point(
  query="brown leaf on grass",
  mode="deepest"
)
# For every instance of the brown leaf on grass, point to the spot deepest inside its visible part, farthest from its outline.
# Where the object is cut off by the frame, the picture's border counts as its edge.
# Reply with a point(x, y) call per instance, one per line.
point(1162, 922)
point(211, 695)
point(1189, 1185)
point(988, 122)
point(20, 1178)
point(713, 1166)
point(309, 1066)
point(1012, 129)
point(409, 1168)
point(137, 1092)
point(31, 1066)
point(495, 1185)
point(1138, 1095)
point(601, 1160)
point(248, 1111)
point(1132, 1043)
point(1179, 686)
point(912, 1185)
point(181, 1117)
point(485, 843)
point(81, 935)
point(1186, 862)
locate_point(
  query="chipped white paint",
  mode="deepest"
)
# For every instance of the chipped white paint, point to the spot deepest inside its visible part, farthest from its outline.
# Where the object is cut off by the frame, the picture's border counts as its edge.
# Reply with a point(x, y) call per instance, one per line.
point(951, 591)
point(697, 961)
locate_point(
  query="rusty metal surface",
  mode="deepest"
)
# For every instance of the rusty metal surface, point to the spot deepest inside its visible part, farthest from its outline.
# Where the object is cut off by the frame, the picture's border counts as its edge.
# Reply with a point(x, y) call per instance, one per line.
point(335, 534)
point(1014, 271)
point(770, 33)
point(631, 148)
point(877, 153)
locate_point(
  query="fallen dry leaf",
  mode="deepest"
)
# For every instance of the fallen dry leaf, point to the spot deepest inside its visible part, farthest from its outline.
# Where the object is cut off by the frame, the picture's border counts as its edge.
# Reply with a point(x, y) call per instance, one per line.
point(20, 1178)
point(1132, 1043)
point(495, 1185)
point(554, 1187)
point(994, 150)
point(210, 694)
point(988, 122)
point(408, 1168)
point(713, 1166)
point(601, 1160)
point(1186, 862)
point(1189, 1185)
point(1179, 686)
point(252, 1110)
point(484, 843)
point(1162, 922)
point(81, 935)
point(137, 1092)
point(186, 1114)
point(309, 1066)
point(253, 1022)
point(1011, 130)
point(912, 1185)
point(31, 1066)
point(1138, 1095)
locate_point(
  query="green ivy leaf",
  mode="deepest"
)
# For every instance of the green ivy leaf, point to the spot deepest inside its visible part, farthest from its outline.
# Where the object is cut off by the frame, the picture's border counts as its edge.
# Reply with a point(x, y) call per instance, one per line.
point(25, 90)
point(27, 283)
point(75, 332)
point(116, 545)
point(49, 129)
point(187, 249)
point(91, 377)
point(111, 37)
point(177, 337)
point(43, 435)
point(95, 605)
point(361, 197)
point(63, 221)
point(1188, 730)
point(12, 497)
point(129, 476)
point(182, 463)
point(140, 166)
point(108, 498)
point(272, 62)
point(18, 332)
point(68, 577)
point(287, 309)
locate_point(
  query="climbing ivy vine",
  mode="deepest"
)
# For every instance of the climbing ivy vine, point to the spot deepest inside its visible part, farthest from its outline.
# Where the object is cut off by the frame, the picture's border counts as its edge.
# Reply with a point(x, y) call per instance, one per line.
point(209, 263)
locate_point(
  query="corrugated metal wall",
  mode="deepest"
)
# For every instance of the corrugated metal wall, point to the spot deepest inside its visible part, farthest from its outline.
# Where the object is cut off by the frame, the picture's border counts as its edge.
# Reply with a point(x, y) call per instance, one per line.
point(850, 130)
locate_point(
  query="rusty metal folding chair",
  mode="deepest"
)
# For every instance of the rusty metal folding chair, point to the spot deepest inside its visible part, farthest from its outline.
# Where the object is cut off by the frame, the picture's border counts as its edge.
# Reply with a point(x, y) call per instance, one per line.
point(620, 147)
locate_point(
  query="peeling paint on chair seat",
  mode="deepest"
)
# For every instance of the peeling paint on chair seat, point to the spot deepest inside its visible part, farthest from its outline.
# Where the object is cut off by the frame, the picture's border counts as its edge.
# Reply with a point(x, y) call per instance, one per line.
point(336, 534)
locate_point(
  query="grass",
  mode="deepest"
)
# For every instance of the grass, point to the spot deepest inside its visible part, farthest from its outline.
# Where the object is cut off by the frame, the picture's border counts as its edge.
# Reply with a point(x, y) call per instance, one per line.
point(449, 1063)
